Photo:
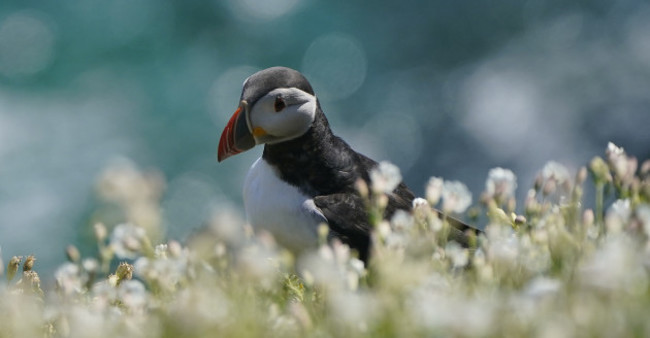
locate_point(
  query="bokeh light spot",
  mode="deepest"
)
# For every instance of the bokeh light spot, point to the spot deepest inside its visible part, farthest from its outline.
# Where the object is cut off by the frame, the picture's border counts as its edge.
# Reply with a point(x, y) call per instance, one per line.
point(256, 10)
point(501, 108)
point(399, 136)
point(224, 94)
point(27, 45)
point(336, 65)
point(638, 37)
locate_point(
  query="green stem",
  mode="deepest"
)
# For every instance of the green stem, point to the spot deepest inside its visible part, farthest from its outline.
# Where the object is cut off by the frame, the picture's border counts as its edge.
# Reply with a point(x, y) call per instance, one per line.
point(600, 196)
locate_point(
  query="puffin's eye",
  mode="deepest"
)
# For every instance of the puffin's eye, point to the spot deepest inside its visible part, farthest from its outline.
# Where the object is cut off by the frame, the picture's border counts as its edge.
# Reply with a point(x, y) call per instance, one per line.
point(279, 104)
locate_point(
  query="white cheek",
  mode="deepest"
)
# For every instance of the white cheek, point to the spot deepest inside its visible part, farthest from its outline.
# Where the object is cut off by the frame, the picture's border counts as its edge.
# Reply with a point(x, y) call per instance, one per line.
point(291, 122)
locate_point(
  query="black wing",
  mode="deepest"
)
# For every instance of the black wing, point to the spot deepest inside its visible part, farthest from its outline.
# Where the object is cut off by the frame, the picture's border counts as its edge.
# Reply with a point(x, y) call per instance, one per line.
point(348, 220)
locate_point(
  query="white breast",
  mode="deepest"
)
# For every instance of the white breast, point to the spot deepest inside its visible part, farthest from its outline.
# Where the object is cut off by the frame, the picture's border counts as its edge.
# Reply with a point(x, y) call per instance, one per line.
point(280, 208)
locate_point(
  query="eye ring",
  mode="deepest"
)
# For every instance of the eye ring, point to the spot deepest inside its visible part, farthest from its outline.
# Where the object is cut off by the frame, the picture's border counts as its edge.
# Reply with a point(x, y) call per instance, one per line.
point(279, 104)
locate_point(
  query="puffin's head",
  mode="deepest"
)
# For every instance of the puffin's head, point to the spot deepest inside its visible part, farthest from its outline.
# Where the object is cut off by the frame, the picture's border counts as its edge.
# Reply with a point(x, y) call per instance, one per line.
point(277, 104)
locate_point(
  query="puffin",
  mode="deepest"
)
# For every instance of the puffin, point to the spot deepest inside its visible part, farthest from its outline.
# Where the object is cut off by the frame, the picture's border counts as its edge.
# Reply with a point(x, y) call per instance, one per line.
point(306, 175)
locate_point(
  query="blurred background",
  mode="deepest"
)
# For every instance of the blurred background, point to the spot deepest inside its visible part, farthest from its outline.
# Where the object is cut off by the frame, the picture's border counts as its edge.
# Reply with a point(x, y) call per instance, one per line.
point(439, 88)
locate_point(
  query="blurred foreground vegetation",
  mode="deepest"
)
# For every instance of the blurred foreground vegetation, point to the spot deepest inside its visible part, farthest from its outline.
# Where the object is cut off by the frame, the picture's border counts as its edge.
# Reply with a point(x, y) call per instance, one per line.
point(554, 269)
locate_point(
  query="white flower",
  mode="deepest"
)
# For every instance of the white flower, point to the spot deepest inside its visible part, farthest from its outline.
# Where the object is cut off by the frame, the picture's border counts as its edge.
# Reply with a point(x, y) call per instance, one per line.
point(556, 172)
point(200, 307)
point(90, 264)
point(160, 251)
point(68, 278)
point(437, 309)
point(126, 240)
point(167, 272)
point(357, 266)
point(332, 267)
point(501, 183)
point(618, 215)
point(383, 229)
point(385, 177)
point(319, 268)
point(83, 321)
point(616, 265)
point(554, 180)
point(132, 294)
point(104, 294)
point(397, 241)
point(503, 243)
point(402, 220)
point(455, 197)
point(459, 256)
point(419, 202)
point(541, 287)
point(257, 261)
point(355, 270)
point(434, 190)
point(225, 222)
point(614, 149)
point(341, 252)
point(353, 308)
point(617, 159)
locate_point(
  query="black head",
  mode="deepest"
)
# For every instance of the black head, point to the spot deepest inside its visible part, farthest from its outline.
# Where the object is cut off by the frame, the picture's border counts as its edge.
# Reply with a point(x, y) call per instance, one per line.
point(276, 105)
point(264, 81)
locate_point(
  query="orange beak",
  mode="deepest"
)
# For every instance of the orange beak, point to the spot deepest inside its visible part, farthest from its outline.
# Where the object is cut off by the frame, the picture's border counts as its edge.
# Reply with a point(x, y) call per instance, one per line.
point(236, 137)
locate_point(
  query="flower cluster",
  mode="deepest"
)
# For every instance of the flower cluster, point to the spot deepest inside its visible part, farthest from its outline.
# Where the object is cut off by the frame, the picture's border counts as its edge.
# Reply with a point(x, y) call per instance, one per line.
point(456, 198)
point(550, 268)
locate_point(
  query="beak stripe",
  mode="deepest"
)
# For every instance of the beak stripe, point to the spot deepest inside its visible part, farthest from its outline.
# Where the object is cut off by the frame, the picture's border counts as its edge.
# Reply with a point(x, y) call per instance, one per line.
point(227, 142)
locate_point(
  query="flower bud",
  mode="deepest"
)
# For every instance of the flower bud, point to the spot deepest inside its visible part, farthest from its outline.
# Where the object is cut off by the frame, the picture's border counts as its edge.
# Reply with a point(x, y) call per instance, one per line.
point(531, 205)
point(12, 267)
point(382, 201)
point(581, 176)
point(29, 263)
point(599, 170)
point(362, 187)
point(175, 249)
point(124, 271)
point(434, 190)
point(323, 231)
point(384, 230)
point(588, 218)
point(72, 253)
point(618, 161)
point(520, 220)
point(549, 188)
point(100, 232)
